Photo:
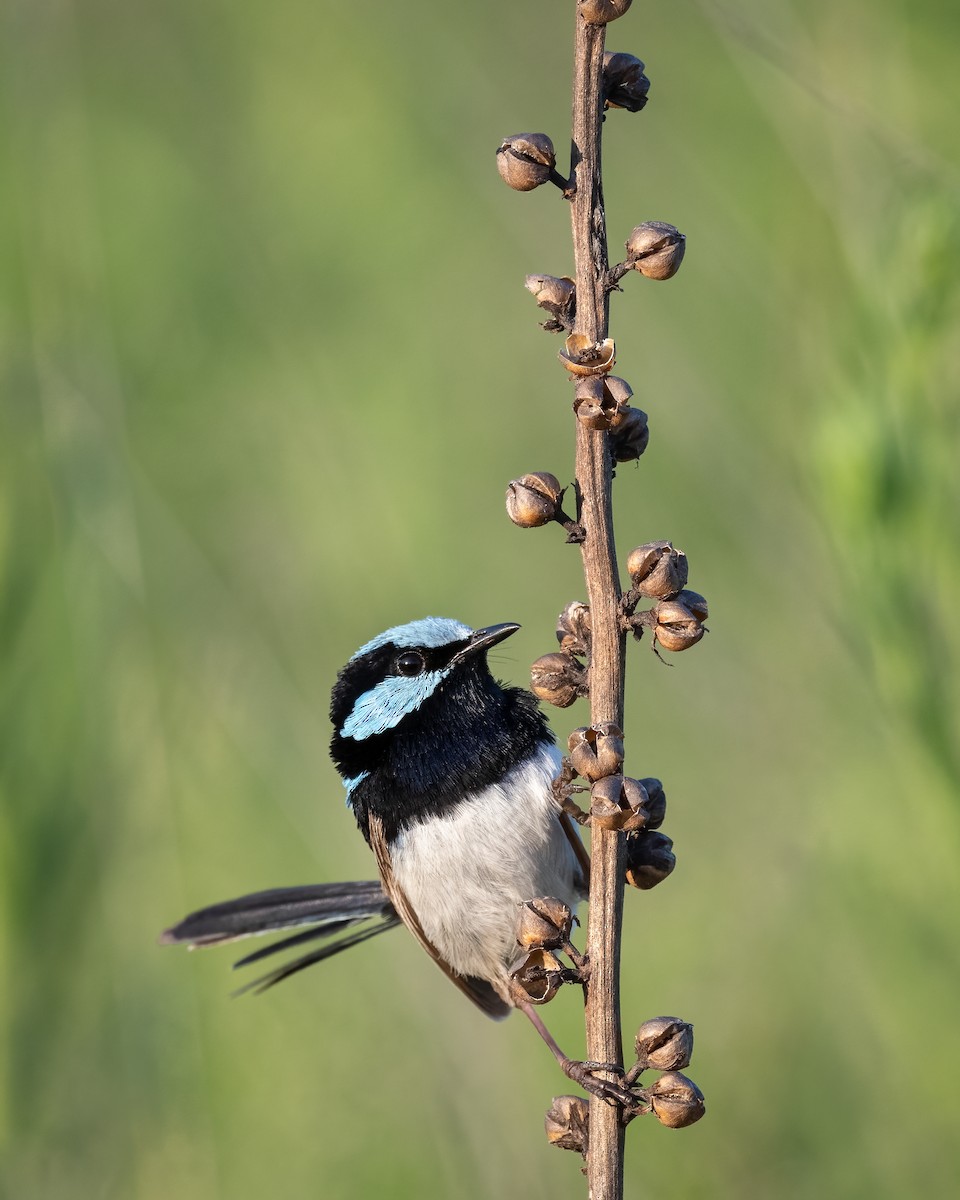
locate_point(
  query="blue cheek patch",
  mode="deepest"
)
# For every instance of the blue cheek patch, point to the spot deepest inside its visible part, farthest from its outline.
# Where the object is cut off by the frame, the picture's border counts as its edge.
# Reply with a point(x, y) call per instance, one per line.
point(385, 705)
point(350, 784)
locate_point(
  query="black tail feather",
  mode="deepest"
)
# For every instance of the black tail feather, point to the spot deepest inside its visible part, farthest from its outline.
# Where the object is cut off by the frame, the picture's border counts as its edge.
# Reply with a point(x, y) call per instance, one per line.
point(329, 908)
point(299, 964)
point(334, 905)
point(297, 939)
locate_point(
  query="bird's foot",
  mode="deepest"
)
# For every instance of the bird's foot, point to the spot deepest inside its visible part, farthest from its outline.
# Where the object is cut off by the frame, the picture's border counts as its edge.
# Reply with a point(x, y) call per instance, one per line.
point(587, 1075)
point(564, 788)
point(590, 1075)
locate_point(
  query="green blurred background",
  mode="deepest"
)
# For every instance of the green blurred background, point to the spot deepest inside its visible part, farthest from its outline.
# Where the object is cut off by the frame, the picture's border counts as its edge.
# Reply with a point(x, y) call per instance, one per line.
point(267, 367)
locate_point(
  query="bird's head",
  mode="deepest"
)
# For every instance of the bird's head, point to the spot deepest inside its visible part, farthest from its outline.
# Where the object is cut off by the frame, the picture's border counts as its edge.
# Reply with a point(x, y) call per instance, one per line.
point(418, 703)
point(390, 678)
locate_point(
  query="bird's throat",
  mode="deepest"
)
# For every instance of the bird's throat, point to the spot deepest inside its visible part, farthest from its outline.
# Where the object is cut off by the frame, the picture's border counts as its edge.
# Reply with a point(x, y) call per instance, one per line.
point(468, 735)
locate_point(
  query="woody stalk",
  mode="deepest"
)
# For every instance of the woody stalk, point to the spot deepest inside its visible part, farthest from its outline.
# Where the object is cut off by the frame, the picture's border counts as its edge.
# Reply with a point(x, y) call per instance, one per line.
point(623, 814)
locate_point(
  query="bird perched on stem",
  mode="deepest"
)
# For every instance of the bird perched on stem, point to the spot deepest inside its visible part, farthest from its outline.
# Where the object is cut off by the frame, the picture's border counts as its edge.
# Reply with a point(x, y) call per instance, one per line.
point(449, 776)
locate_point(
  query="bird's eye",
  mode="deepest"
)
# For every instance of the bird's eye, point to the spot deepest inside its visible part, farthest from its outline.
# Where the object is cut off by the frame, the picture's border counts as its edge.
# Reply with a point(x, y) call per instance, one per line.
point(410, 663)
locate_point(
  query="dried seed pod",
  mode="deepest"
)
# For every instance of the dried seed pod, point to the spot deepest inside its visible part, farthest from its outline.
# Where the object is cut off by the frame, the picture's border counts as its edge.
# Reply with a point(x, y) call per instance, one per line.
point(539, 976)
point(556, 295)
point(677, 1101)
point(618, 391)
point(664, 1044)
point(558, 679)
point(655, 249)
point(589, 403)
point(624, 83)
point(606, 811)
point(657, 570)
point(677, 627)
point(597, 750)
point(602, 401)
point(675, 637)
point(696, 603)
point(583, 356)
point(534, 499)
point(525, 160)
point(567, 1123)
point(630, 438)
point(619, 802)
point(576, 738)
point(545, 924)
point(608, 747)
point(574, 629)
point(650, 858)
point(602, 12)
point(656, 806)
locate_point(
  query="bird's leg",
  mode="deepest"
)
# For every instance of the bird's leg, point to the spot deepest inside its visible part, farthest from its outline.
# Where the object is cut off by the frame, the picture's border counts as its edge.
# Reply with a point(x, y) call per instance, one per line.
point(585, 1074)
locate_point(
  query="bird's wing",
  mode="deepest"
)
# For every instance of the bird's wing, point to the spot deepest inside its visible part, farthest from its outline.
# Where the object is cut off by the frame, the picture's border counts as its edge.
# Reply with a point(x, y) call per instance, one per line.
point(579, 849)
point(478, 990)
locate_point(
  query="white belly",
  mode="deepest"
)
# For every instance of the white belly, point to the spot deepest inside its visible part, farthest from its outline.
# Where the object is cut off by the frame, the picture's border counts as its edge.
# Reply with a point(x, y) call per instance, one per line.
point(466, 873)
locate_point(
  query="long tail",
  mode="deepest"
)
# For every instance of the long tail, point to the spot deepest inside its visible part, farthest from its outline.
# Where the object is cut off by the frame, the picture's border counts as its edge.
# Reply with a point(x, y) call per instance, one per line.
point(327, 909)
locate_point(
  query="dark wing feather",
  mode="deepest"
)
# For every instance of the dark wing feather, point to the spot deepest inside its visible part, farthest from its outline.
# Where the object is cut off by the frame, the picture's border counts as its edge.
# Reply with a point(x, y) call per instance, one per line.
point(478, 990)
point(579, 849)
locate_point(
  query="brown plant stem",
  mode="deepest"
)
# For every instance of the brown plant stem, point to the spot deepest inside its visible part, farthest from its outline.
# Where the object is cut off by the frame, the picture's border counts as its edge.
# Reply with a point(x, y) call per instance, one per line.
point(594, 474)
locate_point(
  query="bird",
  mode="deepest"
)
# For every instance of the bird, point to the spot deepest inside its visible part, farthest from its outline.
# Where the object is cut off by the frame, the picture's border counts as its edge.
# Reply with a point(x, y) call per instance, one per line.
point(448, 773)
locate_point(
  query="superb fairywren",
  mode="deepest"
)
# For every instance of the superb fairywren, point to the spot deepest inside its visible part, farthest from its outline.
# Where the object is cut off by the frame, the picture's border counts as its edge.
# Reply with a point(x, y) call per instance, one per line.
point(449, 777)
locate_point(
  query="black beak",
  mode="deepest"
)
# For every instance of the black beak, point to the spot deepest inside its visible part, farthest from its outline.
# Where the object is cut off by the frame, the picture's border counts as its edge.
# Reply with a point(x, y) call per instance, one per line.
point(483, 639)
